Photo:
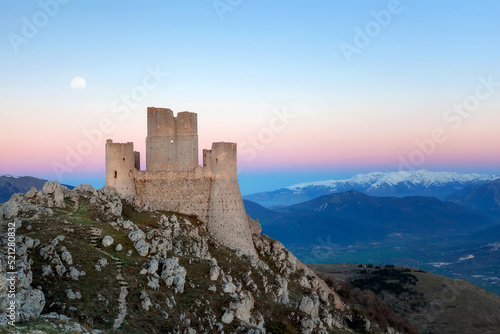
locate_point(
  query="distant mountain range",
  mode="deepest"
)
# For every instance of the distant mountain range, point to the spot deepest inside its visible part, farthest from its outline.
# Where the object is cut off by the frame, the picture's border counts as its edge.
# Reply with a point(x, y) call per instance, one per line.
point(19, 184)
point(485, 199)
point(399, 184)
point(459, 238)
point(352, 216)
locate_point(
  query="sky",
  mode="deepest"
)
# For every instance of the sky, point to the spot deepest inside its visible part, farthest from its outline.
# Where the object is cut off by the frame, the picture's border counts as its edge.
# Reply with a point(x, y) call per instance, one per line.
point(308, 90)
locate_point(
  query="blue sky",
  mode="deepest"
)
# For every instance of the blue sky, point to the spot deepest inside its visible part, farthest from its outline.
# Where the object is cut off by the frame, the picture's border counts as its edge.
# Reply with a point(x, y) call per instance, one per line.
point(356, 114)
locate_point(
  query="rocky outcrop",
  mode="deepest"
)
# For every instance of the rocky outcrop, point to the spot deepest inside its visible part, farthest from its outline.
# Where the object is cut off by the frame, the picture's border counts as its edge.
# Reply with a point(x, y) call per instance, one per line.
point(173, 274)
point(167, 266)
point(29, 301)
point(243, 306)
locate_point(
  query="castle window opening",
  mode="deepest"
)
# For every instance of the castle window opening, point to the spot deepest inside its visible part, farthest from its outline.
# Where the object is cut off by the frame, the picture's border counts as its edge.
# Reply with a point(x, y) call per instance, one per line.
point(116, 174)
point(123, 159)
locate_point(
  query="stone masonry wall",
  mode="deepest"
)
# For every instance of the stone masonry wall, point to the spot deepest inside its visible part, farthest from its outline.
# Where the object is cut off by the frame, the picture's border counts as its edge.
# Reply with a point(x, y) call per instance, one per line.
point(172, 142)
point(160, 147)
point(187, 140)
point(187, 192)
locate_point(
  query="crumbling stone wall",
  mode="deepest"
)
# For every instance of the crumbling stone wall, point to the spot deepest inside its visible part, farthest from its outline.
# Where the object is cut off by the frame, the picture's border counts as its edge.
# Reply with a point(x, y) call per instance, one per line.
point(172, 142)
point(187, 192)
point(120, 166)
point(173, 181)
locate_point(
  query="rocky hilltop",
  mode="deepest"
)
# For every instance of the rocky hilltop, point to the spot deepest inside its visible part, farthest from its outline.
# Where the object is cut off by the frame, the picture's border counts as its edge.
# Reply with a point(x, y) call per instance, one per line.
point(10, 185)
point(88, 261)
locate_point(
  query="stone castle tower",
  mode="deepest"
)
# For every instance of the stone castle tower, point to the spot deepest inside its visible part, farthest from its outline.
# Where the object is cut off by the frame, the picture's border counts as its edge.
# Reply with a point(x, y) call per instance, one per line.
point(173, 180)
point(172, 142)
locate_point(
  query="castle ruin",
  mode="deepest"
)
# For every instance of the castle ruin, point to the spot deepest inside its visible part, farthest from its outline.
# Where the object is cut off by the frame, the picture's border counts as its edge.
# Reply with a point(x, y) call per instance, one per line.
point(173, 180)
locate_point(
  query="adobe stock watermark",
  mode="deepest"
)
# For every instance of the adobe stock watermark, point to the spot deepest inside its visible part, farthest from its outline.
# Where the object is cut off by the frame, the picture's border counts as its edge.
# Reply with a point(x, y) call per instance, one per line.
point(453, 118)
point(122, 107)
point(224, 6)
point(364, 36)
point(10, 271)
point(280, 120)
point(32, 25)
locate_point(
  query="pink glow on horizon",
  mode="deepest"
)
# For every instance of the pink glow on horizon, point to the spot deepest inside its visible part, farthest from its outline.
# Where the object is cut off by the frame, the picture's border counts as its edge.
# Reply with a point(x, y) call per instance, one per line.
point(307, 143)
point(299, 153)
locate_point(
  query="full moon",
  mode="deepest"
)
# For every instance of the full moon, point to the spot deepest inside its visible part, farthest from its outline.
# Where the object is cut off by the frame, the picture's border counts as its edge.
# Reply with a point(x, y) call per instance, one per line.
point(78, 84)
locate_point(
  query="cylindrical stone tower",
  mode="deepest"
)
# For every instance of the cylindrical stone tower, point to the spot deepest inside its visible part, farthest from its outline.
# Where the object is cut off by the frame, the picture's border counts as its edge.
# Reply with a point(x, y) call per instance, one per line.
point(227, 219)
point(120, 166)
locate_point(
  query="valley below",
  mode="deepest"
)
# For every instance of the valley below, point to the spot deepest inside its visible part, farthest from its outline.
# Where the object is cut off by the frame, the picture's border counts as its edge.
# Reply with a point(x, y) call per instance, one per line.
point(478, 263)
point(413, 264)
point(454, 230)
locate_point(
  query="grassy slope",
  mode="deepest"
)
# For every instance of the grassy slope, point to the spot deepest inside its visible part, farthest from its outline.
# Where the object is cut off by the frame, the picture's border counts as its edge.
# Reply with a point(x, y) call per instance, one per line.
point(441, 304)
point(75, 223)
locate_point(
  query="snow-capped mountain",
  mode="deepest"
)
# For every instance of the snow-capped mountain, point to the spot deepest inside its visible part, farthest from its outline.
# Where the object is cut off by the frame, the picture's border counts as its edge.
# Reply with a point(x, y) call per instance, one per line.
point(399, 184)
point(8, 175)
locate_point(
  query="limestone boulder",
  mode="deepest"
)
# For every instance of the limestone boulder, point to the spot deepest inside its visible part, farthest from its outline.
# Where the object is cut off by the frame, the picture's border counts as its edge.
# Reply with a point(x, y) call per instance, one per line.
point(59, 197)
point(31, 193)
point(173, 274)
point(60, 269)
point(229, 287)
point(107, 241)
point(31, 303)
point(282, 290)
point(227, 317)
point(214, 273)
point(243, 306)
point(24, 275)
point(70, 294)
point(153, 266)
point(30, 243)
point(10, 209)
point(135, 236)
point(74, 273)
point(145, 301)
point(49, 187)
point(53, 194)
point(84, 189)
point(142, 247)
point(115, 208)
point(154, 282)
point(47, 270)
point(310, 305)
point(66, 257)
